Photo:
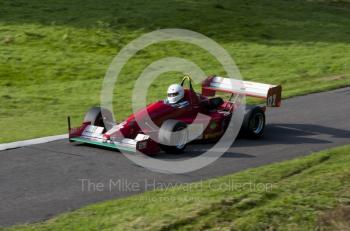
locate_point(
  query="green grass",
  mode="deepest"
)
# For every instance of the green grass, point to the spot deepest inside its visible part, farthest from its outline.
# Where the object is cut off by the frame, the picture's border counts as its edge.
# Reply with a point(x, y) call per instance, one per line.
point(301, 194)
point(54, 54)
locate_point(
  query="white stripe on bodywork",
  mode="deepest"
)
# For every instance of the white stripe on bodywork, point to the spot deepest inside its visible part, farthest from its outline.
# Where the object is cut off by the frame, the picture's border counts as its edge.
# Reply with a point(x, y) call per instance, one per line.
point(23, 143)
point(243, 87)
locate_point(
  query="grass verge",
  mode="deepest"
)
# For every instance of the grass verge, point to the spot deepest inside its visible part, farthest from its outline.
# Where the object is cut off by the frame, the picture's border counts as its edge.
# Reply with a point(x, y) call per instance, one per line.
point(306, 193)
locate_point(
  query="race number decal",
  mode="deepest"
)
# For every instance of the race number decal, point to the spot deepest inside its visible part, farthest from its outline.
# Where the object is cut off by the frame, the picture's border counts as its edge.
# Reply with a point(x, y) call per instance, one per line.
point(271, 100)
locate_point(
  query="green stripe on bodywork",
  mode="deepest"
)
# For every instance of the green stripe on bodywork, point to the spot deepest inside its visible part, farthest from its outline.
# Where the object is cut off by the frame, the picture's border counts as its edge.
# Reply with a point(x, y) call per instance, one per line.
point(114, 146)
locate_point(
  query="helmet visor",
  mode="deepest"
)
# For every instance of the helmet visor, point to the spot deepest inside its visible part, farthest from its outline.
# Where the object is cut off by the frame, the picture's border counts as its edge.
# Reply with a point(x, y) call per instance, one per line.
point(173, 94)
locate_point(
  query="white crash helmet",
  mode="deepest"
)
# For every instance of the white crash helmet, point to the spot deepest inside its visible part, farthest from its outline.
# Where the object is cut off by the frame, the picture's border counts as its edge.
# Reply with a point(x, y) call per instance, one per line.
point(175, 93)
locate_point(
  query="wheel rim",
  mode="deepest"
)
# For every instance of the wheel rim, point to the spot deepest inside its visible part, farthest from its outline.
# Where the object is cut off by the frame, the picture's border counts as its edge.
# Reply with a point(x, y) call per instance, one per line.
point(181, 145)
point(182, 139)
point(258, 123)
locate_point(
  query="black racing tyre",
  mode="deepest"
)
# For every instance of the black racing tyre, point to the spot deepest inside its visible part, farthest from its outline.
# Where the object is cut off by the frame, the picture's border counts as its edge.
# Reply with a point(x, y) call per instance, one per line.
point(171, 142)
point(253, 123)
point(99, 117)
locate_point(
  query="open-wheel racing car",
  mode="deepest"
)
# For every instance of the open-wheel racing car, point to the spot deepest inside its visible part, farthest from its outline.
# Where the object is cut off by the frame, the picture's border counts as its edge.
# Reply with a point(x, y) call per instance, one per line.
point(174, 114)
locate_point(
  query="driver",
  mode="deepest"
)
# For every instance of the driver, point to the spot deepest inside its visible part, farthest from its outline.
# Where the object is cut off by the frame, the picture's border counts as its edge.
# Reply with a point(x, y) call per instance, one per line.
point(176, 95)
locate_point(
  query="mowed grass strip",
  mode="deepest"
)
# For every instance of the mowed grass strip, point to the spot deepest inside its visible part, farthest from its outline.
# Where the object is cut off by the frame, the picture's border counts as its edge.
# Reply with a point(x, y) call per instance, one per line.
point(54, 54)
point(301, 194)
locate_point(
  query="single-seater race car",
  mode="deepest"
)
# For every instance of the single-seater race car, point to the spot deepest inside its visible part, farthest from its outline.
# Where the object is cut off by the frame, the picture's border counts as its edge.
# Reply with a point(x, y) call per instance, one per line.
point(175, 114)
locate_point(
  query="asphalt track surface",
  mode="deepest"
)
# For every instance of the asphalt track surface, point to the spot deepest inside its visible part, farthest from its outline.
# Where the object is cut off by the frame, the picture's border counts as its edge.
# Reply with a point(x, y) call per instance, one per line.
point(40, 181)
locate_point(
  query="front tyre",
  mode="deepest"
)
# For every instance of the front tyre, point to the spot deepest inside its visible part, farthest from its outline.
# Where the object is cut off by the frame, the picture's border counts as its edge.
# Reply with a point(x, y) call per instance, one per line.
point(254, 123)
point(98, 116)
point(173, 136)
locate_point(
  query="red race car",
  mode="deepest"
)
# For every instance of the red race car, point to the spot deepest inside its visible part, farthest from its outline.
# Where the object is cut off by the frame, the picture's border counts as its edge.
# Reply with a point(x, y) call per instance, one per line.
point(169, 124)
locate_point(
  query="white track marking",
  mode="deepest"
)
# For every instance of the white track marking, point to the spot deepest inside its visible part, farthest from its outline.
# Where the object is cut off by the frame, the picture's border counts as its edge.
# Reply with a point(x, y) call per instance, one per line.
point(23, 143)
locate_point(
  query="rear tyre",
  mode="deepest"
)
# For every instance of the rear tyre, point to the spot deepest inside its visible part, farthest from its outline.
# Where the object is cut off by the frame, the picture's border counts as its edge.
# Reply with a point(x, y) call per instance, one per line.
point(170, 142)
point(253, 123)
point(98, 116)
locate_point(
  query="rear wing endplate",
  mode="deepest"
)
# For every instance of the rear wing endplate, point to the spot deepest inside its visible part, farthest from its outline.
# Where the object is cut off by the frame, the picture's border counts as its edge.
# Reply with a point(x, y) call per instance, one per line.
point(272, 93)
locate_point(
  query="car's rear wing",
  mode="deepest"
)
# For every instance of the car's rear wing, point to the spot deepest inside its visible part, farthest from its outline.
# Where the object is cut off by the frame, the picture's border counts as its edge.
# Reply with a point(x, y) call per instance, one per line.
point(272, 93)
